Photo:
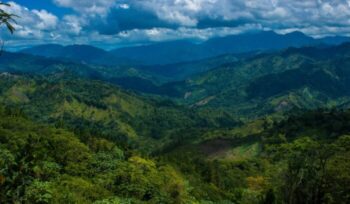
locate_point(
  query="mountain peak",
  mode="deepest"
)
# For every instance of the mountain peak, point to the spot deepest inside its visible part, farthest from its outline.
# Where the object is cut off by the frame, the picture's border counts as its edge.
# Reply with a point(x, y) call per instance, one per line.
point(297, 34)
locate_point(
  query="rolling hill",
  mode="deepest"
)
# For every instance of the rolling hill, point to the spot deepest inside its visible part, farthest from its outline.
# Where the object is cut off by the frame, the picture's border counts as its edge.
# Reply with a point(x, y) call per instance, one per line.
point(175, 102)
point(246, 85)
point(293, 78)
point(145, 79)
point(98, 108)
point(66, 132)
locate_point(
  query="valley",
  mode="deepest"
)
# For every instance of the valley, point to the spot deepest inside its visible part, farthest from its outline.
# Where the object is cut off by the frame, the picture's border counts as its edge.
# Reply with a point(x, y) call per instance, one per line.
point(202, 115)
point(220, 135)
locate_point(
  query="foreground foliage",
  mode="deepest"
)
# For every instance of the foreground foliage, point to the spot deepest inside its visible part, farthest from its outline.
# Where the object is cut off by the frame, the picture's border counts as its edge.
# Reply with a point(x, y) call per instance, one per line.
point(43, 164)
point(302, 159)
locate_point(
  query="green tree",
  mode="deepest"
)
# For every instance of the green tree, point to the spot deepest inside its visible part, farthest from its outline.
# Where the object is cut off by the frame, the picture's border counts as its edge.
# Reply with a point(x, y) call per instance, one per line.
point(6, 18)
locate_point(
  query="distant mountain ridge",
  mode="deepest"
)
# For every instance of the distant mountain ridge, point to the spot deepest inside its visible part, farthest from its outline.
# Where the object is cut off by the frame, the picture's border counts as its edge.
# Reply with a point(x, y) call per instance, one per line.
point(183, 51)
point(305, 78)
point(154, 74)
point(77, 53)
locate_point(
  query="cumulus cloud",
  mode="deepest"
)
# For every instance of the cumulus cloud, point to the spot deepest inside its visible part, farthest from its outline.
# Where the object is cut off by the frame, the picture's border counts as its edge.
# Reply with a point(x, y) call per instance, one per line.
point(277, 12)
point(166, 34)
point(34, 26)
point(32, 23)
point(89, 7)
point(47, 20)
point(202, 14)
point(120, 22)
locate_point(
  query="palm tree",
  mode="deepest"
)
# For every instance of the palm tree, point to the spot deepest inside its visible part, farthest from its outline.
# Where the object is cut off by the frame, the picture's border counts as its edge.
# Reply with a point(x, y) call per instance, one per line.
point(7, 18)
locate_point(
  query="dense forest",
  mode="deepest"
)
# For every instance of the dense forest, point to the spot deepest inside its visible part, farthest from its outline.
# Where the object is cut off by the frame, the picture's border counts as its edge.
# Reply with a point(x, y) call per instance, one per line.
point(256, 118)
point(65, 140)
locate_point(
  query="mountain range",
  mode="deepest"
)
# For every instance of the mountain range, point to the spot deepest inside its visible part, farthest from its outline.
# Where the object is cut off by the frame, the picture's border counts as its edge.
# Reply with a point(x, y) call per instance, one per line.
point(308, 77)
point(180, 51)
point(255, 118)
point(247, 84)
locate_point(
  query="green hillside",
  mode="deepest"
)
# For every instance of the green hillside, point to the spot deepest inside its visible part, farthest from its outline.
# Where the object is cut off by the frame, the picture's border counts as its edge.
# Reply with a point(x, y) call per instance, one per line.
point(270, 83)
point(140, 78)
point(175, 102)
point(44, 164)
point(93, 107)
point(89, 150)
point(301, 159)
point(247, 131)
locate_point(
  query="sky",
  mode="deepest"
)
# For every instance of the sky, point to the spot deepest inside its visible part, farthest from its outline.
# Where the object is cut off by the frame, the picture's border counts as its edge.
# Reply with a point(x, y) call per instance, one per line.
point(116, 23)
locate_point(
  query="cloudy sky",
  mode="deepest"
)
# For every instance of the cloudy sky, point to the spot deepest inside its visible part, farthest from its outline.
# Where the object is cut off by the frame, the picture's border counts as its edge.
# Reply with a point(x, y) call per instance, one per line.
point(116, 23)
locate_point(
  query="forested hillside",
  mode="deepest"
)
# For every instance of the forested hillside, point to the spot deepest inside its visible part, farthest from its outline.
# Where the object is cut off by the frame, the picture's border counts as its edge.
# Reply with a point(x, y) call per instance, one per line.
point(239, 130)
point(44, 164)
point(301, 159)
point(248, 128)
point(156, 79)
point(174, 102)
point(96, 108)
point(301, 78)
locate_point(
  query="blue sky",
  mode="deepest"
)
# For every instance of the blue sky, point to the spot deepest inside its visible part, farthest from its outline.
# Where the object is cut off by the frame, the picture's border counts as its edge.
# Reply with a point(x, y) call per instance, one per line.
point(48, 5)
point(116, 23)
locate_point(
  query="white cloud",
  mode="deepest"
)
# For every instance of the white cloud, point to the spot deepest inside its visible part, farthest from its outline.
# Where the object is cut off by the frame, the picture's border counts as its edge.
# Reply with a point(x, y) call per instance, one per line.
point(182, 12)
point(73, 24)
point(32, 23)
point(277, 12)
point(124, 6)
point(47, 21)
point(166, 34)
point(187, 19)
point(88, 7)
point(40, 26)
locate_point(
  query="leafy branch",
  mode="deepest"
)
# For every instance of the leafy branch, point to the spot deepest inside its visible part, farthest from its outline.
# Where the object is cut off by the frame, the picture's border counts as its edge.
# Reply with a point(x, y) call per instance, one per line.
point(7, 18)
